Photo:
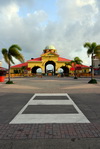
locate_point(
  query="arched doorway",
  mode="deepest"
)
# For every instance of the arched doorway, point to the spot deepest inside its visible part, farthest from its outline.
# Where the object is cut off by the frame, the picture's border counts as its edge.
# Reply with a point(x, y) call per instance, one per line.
point(60, 70)
point(51, 67)
point(65, 70)
point(36, 69)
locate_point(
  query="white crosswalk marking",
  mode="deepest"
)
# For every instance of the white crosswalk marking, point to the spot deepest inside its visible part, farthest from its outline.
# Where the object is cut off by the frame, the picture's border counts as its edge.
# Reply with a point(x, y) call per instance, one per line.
point(27, 115)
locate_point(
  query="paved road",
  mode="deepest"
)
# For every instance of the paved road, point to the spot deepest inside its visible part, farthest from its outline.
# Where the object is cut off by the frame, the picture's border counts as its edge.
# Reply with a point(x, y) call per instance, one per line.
point(85, 96)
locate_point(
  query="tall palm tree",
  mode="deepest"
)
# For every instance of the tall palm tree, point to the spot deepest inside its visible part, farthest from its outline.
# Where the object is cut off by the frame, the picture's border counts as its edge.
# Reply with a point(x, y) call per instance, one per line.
point(94, 50)
point(8, 55)
point(76, 61)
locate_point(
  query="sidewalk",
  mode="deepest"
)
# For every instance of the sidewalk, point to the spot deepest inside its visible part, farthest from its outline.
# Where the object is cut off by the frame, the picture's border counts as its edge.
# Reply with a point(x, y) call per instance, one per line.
point(49, 131)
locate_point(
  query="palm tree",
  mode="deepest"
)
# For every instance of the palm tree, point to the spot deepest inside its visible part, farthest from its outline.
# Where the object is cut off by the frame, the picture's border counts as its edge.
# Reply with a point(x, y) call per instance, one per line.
point(8, 55)
point(94, 50)
point(76, 61)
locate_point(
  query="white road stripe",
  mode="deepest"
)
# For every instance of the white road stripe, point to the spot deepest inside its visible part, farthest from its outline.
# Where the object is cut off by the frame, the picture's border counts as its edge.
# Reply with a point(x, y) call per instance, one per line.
point(50, 118)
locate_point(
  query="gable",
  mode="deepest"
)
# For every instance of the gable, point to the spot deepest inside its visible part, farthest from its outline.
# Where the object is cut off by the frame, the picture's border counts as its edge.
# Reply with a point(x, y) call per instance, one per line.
point(49, 54)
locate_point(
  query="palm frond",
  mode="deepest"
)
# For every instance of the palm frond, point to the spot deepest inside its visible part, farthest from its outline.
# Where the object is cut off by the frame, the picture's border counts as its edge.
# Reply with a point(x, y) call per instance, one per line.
point(4, 51)
point(15, 53)
point(15, 46)
point(89, 51)
point(5, 55)
point(77, 60)
point(72, 61)
point(20, 58)
point(93, 45)
point(10, 58)
point(87, 45)
point(90, 47)
point(68, 63)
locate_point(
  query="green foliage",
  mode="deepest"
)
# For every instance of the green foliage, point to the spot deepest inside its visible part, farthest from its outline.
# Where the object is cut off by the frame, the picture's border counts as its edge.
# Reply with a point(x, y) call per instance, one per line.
point(68, 63)
point(92, 48)
point(76, 61)
point(93, 81)
point(13, 51)
point(8, 55)
point(9, 82)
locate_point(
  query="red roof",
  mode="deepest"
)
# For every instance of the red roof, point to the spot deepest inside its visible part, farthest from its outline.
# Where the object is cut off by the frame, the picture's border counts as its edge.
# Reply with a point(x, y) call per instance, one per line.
point(63, 59)
point(78, 67)
point(2, 68)
point(20, 65)
point(83, 66)
point(59, 59)
point(35, 59)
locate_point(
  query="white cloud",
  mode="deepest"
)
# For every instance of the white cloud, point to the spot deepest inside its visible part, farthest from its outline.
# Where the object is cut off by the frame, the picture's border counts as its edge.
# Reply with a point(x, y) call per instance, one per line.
point(85, 2)
point(78, 23)
point(29, 3)
point(9, 13)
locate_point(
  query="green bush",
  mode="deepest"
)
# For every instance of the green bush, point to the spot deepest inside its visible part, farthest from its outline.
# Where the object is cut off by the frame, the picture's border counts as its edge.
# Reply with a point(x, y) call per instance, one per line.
point(93, 81)
point(9, 82)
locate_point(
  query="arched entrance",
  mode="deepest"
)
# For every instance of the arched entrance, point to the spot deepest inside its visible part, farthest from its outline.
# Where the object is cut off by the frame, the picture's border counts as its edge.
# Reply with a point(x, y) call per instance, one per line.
point(52, 70)
point(34, 69)
point(65, 70)
point(60, 70)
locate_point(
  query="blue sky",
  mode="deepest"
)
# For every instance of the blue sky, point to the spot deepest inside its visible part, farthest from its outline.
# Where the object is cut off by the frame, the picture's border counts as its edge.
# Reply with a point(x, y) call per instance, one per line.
point(49, 6)
point(34, 24)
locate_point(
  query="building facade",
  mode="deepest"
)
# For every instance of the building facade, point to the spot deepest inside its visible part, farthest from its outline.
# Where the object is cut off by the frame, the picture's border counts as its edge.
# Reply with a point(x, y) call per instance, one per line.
point(49, 56)
point(96, 65)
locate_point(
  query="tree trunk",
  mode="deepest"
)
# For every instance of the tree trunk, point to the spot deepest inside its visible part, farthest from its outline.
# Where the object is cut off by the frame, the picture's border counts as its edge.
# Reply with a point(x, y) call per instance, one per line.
point(92, 70)
point(9, 72)
point(75, 71)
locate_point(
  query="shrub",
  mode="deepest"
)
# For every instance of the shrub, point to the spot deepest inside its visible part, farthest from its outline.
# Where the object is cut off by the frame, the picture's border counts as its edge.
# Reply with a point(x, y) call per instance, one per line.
point(93, 81)
point(9, 82)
